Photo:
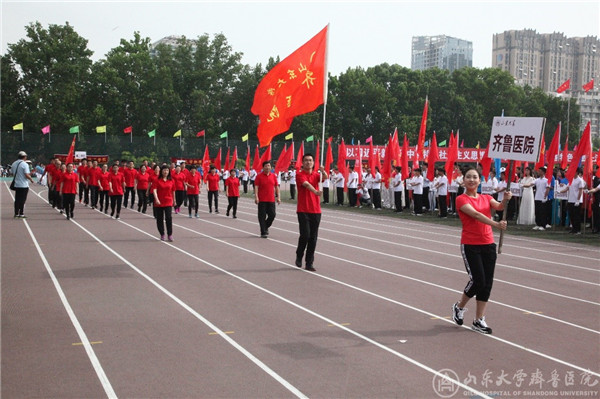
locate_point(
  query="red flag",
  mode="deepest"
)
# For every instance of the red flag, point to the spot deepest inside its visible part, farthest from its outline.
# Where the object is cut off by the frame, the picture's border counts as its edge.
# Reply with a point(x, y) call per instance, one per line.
point(71, 153)
point(266, 156)
point(486, 163)
point(218, 161)
point(233, 158)
point(317, 164)
point(589, 86)
point(404, 161)
point(298, 164)
point(369, 139)
point(247, 158)
point(421, 139)
point(386, 170)
point(372, 159)
point(206, 162)
point(281, 164)
point(358, 165)
point(584, 148)
point(128, 130)
point(540, 163)
point(515, 177)
point(552, 152)
point(452, 154)
point(565, 154)
point(328, 157)
point(564, 87)
point(598, 164)
point(256, 163)
point(432, 158)
point(395, 150)
point(200, 133)
point(341, 162)
point(293, 87)
point(227, 160)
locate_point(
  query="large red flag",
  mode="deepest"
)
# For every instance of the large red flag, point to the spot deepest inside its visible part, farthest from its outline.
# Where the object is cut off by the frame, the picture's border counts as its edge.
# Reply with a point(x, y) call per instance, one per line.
point(233, 159)
point(540, 163)
point(293, 87)
point(564, 87)
point(247, 159)
point(421, 139)
point(226, 167)
point(266, 156)
point(256, 163)
point(584, 148)
point(71, 154)
point(452, 154)
point(298, 164)
point(372, 159)
point(328, 157)
point(432, 158)
point(395, 150)
point(552, 152)
point(565, 154)
point(404, 161)
point(589, 86)
point(386, 170)
point(341, 162)
point(486, 163)
point(206, 162)
point(281, 161)
point(358, 165)
point(218, 161)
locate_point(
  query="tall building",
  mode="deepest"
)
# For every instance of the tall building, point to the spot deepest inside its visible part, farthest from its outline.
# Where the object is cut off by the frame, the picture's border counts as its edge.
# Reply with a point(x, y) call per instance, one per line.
point(443, 52)
point(547, 60)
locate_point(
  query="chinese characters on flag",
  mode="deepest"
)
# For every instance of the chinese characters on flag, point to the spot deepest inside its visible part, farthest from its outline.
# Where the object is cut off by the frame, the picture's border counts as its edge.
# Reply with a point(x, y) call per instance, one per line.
point(293, 87)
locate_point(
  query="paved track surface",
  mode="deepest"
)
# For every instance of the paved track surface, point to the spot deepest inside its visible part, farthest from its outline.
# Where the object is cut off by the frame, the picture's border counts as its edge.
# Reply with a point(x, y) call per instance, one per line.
point(97, 307)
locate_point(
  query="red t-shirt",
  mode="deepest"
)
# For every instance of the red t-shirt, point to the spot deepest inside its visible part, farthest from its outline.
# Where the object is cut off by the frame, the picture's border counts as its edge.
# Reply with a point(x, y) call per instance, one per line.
point(152, 178)
point(55, 173)
point(474, 232)
point(193, 182)
point(307, 201)
point(164, 192)
point(233, 186)
point(92, 175)
point(103, 178)
point(213, 181)
point(69, 183)
point(178, 178)
point(117, 183)
point(82, 172)
point(266, 186)
point(129, 175)
point(142, 180)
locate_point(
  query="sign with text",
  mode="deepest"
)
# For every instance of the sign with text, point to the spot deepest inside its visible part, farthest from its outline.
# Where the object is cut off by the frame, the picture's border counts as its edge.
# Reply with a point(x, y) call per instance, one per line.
point(516, 138)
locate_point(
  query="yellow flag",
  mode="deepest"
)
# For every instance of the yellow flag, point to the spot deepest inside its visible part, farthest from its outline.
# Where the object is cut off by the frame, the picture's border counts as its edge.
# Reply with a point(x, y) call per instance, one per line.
point(245, 137)
point(289, 136)
point(101, 129)
point(177, 133)
point(18, 126)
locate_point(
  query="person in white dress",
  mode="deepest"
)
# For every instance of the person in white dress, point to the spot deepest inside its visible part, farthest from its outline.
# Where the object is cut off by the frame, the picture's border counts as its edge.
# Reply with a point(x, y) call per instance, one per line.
point(527, 207)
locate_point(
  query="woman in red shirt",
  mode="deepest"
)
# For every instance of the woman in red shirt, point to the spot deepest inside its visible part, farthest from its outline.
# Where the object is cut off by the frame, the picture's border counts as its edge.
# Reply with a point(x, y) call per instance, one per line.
point(164, 192)
point(179, 180)
point(69, 183)
point(116, 186)
point(232, 190)
point(141, 180)
point(477, 247)
point(103, 188)
point(192, 183)
point(152, 178)
point(212, 180)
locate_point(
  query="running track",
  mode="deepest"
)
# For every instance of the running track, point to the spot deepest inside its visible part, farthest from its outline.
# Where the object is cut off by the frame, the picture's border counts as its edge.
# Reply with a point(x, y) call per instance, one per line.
point(98, 307)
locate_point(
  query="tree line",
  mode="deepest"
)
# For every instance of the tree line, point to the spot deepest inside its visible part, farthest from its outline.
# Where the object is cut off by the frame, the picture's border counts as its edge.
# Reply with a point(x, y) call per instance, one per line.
point(49, 78)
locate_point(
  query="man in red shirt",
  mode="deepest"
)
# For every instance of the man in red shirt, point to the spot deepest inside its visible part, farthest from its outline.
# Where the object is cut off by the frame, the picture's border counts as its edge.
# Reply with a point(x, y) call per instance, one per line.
point(82, 173)
point(266, 190)
point(232, 189)
point(308, 210)
point(68, 189)
point(129, 174)
point(213, 188)
point(92, 180)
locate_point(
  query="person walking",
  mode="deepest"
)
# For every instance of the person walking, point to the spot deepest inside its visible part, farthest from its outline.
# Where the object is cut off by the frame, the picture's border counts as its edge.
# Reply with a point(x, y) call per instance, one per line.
point(164, 192)
point(212, 180)
point(266, 192)
point(193, 183)
point(129, 174)
point(308, 210)
point(477, 247)
point(141, 185)
point(441, 186)
point(232, 190)
point(22, 177)
point(116, 184)
point(69, 184)
point(103, 188)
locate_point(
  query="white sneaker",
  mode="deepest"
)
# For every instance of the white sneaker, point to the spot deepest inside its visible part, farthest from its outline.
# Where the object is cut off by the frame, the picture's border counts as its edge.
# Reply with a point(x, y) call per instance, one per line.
point(541, 228)
point(548, 226)
point(535, 228)
point(481, 326)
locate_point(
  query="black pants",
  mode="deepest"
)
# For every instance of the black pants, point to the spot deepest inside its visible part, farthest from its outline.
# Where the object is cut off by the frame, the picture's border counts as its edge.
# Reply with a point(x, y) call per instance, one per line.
point(81, 191)
point(480, 262)
point(103, 196)
point(595, 217)
point(215, 195)
point(540, 217)
point(69, 204)
point(326, 195)
point(418, 203)
point(20, 199)
point(129, 190)
point(115, 202)
point(292, 191)
point(192, 203)
point(266, 216)
point(86, 197)
point(245, 184)
point(443, 206)
point(94, 195)
point(163, 216)
point(377, 198)
point(57, 199)
point(309, 231)
point(398, 201)
point(352, 196)
point(575, 217)
point(232, 205)
point(142, 200)
point(340, 195)
point(179, 197)
point(425, 198)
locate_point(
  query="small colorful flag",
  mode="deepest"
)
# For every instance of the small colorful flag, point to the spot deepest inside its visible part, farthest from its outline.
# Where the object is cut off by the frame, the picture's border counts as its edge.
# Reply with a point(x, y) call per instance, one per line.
point(128, 129)
point(101, 129)
point(177, 133)
point(310, 138)
point(74, 129)
point(289, 136)
point(442, 143)
point(201, 133)
point(152, 133)
point(223, 135)
point(46, 129)
point(369, 140)
point(18, 126)
point(245, 137)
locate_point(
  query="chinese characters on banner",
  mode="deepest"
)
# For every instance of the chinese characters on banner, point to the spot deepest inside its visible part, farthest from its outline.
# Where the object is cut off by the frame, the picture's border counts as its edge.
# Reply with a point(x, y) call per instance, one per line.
point(516, 139)
point(293, 87)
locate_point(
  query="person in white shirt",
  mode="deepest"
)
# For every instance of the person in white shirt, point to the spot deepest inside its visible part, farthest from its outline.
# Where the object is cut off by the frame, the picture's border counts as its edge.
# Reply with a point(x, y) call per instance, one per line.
point(326, 184)
point(376, 189)
point(441, 187)
point(292, 178)
point(541, 197)
point(574, 201)
point(339, 186)
point(224, 177)
point(398, 187)
point(352, 185)
point(426, 186)
point(244, 175)
point(499, 190)
point(364, 197)
point(417, 185)
point(252, 176)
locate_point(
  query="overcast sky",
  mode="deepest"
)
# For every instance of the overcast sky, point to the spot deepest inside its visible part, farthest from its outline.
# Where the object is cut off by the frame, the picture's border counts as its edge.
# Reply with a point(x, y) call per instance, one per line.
point(362, 33)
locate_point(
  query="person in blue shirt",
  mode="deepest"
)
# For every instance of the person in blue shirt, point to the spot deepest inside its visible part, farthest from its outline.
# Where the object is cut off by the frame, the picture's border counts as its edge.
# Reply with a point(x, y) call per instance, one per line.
point(22, 173)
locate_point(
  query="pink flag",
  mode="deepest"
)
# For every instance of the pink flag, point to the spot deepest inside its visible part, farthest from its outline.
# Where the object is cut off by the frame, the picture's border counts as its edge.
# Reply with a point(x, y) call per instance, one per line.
point(369, 140)
point(46, 129)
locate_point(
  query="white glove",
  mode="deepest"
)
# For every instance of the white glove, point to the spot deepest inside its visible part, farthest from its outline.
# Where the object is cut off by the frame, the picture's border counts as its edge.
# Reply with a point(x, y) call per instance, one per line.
point(576, 203)
point(544, 200)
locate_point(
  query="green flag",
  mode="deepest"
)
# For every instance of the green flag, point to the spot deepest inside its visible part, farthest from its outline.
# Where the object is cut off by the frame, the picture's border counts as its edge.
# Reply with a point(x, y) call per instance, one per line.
point(442, 143)
point(309, 139)
point(289, 136)
point(74, 129)
point(152, 133)
point(223, 135)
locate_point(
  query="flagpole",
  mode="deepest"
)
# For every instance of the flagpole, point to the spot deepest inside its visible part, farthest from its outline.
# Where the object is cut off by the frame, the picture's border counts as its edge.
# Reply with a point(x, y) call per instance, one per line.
point(131, 137)
point(23, 132)
point(325, 91)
